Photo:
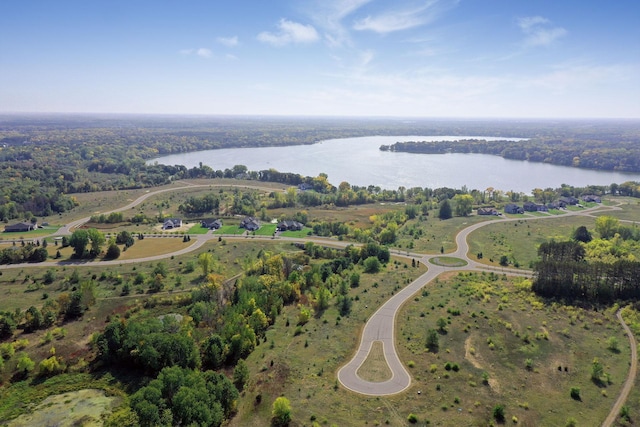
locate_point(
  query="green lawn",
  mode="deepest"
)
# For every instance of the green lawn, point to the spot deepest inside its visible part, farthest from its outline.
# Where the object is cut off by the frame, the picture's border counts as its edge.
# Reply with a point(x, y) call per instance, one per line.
point(302, 233)
point(198, 229)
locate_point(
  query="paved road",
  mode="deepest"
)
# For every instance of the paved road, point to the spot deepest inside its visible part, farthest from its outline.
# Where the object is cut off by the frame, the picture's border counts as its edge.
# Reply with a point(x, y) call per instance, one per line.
point(381, 325)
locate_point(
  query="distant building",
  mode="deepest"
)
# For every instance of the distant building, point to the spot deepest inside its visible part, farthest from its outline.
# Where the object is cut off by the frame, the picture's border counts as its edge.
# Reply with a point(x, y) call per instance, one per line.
point(20, 227)
point(289, 225)
point(512, 208)
point(488, 211)
point(171, 223)
point(534, 207)
point(568, 200)
point(592, 198)
point(250, 224)
point(211, 224)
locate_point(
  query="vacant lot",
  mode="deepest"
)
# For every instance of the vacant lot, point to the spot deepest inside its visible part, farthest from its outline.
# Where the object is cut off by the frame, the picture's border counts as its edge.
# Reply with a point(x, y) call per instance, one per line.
point(500, 345)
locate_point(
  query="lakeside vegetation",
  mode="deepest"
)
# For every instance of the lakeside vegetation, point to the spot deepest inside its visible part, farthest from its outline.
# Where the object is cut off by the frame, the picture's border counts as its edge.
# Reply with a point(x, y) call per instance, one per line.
point(601, 153)
point(250, 330)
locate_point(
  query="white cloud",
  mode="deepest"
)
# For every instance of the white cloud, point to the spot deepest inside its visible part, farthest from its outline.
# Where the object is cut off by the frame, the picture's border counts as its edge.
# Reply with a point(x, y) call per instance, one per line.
point(289, 32)
point(531, 21)
point(228, 41)
point(539, 32)
point(398, 20)
point(203, 52)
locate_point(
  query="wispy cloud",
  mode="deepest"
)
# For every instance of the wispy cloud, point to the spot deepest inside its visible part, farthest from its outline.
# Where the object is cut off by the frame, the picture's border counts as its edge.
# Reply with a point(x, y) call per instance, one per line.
point(228, 41)
point(289, 32)
point(329, 16)
point(202, 52)
point(398, 20)
point(539, 31)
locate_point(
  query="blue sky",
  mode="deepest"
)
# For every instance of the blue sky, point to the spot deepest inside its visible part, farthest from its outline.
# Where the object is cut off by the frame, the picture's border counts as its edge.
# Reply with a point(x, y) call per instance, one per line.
point(405, 58)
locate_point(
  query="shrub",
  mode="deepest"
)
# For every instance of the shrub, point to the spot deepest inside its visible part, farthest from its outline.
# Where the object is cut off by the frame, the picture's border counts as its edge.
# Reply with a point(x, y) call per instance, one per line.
point(575, 393)
point(498, 413)
point(412, 418)
point(571, 422)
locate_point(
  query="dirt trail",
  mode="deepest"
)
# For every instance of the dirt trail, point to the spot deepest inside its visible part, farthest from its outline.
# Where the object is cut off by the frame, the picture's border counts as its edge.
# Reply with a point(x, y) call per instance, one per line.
point(631, 377)
point(493, 383)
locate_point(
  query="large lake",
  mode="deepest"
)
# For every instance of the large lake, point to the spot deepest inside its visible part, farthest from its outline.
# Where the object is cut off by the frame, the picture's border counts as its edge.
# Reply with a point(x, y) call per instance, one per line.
point(359, 161)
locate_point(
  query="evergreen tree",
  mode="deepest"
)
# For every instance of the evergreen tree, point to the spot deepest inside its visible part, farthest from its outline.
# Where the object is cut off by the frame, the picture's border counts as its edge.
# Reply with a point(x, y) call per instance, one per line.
point(445, 210)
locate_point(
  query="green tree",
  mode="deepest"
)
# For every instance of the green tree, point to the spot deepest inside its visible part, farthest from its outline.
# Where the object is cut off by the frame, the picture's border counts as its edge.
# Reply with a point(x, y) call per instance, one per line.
point(96, 240)
point(445, 210)
point(372, 265)
point(78, 241)
point(25, 364)
point(463, 204)
point(7, 326)
point(113, 251)
point(597, 370)
point(442, 324)
point(281, 412)
point(214, 352)
point(354, 280)
point(32, 319)
point(581, 234)
point(240, 374)
point(205, 261)
point(607, 226)
point(498, 413)
point(432, 341)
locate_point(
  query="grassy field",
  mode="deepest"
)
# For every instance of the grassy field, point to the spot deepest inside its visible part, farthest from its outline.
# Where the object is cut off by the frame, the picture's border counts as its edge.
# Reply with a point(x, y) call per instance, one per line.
point(431, 235)
point(303, 367)
point(519, 240)
point(532, 352)
point(510, 348)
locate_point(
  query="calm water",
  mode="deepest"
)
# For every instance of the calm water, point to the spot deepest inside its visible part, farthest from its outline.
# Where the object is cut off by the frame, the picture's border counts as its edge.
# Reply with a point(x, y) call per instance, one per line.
point(360, 162)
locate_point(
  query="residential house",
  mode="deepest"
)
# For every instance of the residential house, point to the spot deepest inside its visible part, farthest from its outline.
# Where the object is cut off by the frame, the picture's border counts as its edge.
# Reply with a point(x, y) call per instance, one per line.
point(211, 224)
point(534, 207)
point(592, 198)
point(568, 200)
point(488, 211)
point(250, 224)
point(171, 223)
point(512, 208)
point(289, 225)
point(20, 227)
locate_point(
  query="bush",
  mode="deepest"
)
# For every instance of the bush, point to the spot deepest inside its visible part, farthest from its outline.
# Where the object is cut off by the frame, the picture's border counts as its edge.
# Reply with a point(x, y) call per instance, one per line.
point(498, 413)
point(412, 418)
point(281, 412)
point(575, 393)
point(372, 265)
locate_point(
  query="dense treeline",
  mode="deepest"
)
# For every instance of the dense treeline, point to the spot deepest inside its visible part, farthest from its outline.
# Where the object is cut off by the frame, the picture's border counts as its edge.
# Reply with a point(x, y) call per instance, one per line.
point(564, 273)
point(43, 158)
point(584, 153)
point(591, 269)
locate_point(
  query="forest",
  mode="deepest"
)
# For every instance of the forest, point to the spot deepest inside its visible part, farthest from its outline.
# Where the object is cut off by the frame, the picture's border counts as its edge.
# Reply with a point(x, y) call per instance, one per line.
point(590, 153)
point(45, 159)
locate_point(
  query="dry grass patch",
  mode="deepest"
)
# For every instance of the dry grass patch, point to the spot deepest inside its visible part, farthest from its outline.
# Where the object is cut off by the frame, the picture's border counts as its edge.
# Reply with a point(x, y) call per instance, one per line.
point(375, 367)
point(154, 246)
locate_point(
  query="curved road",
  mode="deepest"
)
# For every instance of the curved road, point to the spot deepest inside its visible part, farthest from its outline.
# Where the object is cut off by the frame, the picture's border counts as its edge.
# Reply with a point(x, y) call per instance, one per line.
point(381, 325)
